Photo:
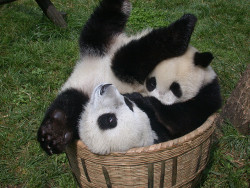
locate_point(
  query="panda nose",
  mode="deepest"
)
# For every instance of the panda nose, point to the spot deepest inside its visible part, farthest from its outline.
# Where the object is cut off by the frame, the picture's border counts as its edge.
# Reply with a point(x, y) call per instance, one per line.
point(103, 88)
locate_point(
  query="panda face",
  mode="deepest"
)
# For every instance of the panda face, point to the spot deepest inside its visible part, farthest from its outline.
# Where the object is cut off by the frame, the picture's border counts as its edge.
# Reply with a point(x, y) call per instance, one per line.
point(113, 123)
point(180, 79)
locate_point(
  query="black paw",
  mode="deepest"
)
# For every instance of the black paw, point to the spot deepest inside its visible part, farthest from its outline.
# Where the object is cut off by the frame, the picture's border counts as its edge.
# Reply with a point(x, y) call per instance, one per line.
point(54, 134)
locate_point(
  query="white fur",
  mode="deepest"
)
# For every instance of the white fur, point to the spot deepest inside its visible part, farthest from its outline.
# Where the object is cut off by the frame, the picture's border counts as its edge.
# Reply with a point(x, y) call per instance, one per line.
point(139, 35)
point(133, 127)
point(183, 71)
point(91, 71)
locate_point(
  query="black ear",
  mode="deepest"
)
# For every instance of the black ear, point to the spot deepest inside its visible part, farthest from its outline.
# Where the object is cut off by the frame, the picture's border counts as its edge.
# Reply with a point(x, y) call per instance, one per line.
point(203, 59)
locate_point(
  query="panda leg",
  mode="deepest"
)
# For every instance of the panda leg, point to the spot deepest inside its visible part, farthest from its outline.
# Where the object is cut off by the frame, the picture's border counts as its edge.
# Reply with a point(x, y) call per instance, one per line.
point(59, 126)
point(107, 21)
point(134, 61)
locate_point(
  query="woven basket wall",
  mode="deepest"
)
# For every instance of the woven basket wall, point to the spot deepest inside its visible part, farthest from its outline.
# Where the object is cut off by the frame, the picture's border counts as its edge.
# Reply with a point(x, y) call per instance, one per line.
point(176, 163)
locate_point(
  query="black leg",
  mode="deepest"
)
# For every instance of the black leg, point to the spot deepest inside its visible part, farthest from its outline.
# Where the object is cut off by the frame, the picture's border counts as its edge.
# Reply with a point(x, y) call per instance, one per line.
point(59, 126)
point(108, 20)
point(138, 58)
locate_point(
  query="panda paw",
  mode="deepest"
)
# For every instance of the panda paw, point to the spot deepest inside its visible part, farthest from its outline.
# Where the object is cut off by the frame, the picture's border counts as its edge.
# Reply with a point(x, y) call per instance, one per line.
point(54, 134)
point(126, 7)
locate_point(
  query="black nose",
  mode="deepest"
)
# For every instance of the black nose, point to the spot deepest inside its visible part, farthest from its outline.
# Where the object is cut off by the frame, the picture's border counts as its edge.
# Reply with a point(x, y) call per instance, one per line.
point(104, 87)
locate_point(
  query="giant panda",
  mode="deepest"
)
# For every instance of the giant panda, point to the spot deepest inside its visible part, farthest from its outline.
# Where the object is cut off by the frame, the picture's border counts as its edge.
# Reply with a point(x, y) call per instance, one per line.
point(107, 55)
point(184, 91)
point(113, 122)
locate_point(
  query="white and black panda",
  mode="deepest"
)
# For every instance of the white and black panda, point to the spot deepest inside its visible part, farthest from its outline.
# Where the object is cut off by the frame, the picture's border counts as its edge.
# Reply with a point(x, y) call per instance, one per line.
point(107, 55)
point(113, 122)
point(185, 91)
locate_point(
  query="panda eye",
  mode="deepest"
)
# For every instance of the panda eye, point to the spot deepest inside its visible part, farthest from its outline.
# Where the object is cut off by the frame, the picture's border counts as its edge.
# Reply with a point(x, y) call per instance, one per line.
point(107, 121)
point(176, 89)
point(151, 84)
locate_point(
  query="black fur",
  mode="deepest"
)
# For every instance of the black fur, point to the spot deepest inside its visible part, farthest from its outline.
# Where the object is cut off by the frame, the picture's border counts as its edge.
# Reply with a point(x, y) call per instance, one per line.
point(133, 62)
point(107, 121)
point(129, 103)
point(151, 84)
point(59, 126)
point(144, 103)
point(107, 21)
point(182, 118)
point(203, 59)
point(176, 89)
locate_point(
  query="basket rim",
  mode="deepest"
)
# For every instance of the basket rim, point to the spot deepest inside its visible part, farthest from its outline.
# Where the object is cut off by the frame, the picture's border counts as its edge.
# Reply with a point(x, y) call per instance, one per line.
point(164, 145)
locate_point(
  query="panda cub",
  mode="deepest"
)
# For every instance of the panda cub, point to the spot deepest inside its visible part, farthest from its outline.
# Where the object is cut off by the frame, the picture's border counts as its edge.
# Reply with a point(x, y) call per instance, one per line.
point(108, 55)
point(184, 91)
point(116, 123)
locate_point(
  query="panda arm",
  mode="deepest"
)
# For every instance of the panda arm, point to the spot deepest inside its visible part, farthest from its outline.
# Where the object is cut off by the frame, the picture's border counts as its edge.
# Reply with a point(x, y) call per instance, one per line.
point(145, 104)
point(59, 126)
point(134, 61)
point(107, 21)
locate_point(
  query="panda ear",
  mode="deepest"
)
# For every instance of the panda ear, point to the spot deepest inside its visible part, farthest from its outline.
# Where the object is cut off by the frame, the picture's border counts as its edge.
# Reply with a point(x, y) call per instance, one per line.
point(203, 59)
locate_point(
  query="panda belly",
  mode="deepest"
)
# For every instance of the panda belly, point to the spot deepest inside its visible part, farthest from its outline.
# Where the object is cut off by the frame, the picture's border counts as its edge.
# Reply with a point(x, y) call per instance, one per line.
point(88, 72)
point(92, 71)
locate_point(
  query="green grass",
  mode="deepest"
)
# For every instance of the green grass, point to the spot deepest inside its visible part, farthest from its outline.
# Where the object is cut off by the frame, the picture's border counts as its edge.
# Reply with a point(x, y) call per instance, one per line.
point(36, 57)
point(228, 164)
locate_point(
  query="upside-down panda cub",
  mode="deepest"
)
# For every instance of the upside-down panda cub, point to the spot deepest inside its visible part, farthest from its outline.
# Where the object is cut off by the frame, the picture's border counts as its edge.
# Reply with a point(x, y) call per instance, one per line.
point(108, 55)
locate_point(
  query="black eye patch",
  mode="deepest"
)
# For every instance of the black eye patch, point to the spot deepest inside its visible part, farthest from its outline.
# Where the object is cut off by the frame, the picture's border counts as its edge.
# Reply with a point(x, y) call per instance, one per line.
point(107, 121)
point(129, 104)
point(176, 89)
point(151, 84)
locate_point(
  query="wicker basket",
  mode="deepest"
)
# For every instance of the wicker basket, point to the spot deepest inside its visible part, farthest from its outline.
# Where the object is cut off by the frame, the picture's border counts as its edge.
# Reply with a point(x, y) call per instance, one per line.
point(176, 163)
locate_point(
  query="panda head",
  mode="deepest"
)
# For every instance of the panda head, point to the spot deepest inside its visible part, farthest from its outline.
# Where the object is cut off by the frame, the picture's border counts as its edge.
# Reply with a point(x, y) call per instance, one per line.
point(180, 79)
point(113, 123)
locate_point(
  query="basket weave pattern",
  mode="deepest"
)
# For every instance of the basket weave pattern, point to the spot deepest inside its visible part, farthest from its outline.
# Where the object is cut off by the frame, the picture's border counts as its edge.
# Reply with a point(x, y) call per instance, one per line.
point(174, 163)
